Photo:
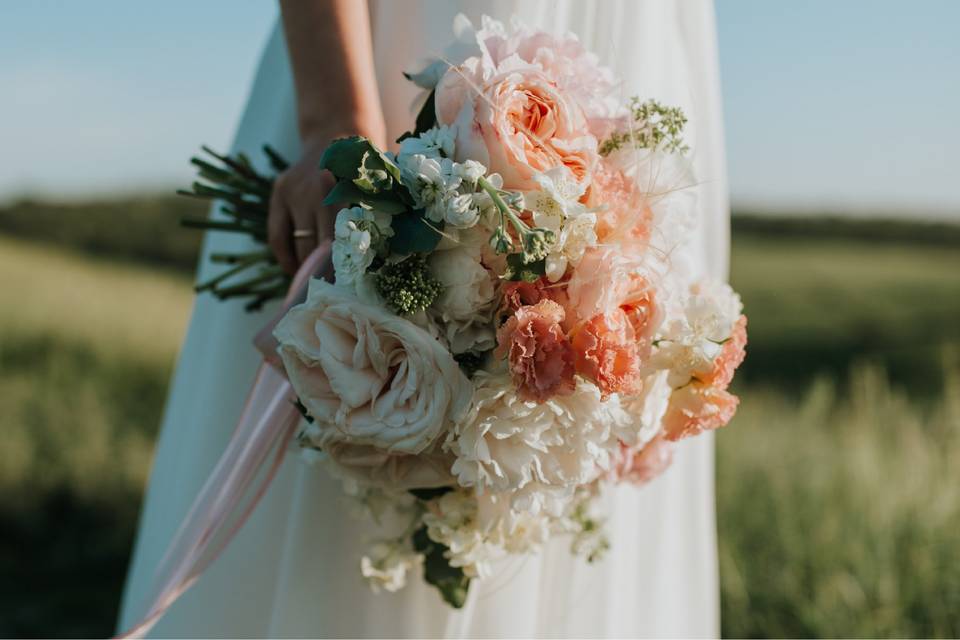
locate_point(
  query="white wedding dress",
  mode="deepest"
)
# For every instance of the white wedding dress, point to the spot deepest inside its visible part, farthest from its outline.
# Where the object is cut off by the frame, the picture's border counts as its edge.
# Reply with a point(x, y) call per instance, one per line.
point(293, 570)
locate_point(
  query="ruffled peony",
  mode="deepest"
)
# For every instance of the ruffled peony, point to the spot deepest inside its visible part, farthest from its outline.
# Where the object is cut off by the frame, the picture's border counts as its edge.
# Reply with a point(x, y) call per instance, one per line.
point(367, 376)
point(466, 303)
point(507, 444)
point(607, 353)
point(539, 354)
point(696, 408)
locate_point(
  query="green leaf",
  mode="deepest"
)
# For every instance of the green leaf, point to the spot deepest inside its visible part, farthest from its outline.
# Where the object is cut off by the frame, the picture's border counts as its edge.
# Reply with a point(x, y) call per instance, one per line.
point(426, 118)
point(517, 269)
point(450, 581)
point(373, 175)
point(345, 192)
point(413, 234)
point(345, 157)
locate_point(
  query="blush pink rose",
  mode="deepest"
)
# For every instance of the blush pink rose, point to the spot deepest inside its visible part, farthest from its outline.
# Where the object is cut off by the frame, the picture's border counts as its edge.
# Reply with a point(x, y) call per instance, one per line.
point(696, 408)
point(516, 122)
point(734, 350)
point(642, 465)
point(607, 354)
point(538, 352)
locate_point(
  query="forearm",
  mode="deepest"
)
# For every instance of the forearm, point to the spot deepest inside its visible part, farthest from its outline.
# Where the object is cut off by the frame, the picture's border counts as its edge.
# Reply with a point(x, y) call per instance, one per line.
point(332, 58)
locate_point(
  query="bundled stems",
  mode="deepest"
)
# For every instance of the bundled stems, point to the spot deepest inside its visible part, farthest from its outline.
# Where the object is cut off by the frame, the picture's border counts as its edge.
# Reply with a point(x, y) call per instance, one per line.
point(245, 193)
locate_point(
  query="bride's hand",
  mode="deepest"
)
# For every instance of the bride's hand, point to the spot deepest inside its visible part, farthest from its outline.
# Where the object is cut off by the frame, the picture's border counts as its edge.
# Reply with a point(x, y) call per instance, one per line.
point(298, 221)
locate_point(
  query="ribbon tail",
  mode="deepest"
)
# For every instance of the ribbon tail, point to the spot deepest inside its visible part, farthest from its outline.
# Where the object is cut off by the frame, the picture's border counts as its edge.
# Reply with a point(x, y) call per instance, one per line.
point(242, 475)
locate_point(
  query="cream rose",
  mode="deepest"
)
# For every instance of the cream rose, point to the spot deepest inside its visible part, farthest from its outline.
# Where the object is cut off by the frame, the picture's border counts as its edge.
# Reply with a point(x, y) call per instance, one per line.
point(517, 123)
point(367, 376)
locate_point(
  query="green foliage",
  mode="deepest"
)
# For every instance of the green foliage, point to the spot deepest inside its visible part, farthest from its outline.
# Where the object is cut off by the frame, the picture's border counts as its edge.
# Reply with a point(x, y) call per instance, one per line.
point(346, 193)
point(357, 159)
point(838, 512)
point(413, 233)
point(837, 499)
point(517, 269)
point(407, 286)
point(426, 118)
point(654, 126)
point(450, 581)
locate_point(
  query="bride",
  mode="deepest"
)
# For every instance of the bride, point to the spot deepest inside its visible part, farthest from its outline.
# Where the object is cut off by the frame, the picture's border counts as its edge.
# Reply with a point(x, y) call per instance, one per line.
point(334, 69)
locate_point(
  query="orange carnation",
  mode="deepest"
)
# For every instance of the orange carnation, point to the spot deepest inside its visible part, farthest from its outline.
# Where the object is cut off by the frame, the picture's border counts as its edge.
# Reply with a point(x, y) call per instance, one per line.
point(540, 356)
point(607, 353)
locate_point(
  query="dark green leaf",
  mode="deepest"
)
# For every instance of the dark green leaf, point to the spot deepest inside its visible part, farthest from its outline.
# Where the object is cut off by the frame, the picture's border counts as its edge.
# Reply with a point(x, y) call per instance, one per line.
point(528, 272)
point(346, 192)
point(450, 581)
point(413, 234)
point(426, 118)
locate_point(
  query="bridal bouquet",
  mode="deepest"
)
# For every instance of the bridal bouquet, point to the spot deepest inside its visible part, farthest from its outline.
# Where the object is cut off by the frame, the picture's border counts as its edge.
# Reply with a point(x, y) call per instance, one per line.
point(512, 327)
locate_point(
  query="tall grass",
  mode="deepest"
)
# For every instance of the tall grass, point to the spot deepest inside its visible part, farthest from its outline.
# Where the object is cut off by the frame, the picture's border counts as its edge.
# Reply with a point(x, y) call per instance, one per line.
point(839, 516)
point(838, 500)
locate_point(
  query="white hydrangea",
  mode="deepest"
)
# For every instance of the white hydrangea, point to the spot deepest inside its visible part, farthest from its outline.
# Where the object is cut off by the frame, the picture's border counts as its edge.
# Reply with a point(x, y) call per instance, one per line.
point(506, 444)
point(358, 233)
point(692, 340)
point(386, 563)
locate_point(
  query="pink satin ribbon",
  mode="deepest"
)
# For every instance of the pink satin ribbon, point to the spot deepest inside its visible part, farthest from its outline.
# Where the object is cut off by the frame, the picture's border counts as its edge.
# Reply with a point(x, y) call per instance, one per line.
point(245, 470)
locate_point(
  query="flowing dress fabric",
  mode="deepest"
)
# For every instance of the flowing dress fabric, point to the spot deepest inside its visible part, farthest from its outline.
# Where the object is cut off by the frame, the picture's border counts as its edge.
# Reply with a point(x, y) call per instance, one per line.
point(293, 570)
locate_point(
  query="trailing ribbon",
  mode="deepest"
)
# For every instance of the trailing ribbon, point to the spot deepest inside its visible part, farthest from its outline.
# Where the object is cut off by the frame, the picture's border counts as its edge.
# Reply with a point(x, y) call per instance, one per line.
point(245, 470)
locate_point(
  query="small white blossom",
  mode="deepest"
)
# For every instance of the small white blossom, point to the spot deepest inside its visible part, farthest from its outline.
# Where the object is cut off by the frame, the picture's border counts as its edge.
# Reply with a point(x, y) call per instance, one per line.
point(357, 235)
point(451, 520)
point(433, 143)
point(386, 564)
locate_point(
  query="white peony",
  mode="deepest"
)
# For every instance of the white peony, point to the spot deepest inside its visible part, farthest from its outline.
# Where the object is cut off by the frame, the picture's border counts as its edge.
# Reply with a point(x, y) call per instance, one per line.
point(367, 376)
point(507, 444)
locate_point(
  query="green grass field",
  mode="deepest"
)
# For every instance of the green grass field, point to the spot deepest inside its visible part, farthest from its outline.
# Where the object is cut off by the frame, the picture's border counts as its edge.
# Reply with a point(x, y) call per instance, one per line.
point(838, 482)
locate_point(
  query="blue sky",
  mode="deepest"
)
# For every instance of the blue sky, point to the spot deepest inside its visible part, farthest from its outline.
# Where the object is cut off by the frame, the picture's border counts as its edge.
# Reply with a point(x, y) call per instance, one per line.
point(828, 104)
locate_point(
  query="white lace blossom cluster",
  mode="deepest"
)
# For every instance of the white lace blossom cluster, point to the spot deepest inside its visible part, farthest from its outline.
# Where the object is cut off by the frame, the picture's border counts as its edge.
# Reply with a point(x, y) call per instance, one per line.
point(447, 191)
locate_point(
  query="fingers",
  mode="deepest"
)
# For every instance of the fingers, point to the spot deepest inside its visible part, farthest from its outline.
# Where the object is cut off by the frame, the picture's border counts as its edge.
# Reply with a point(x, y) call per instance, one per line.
point(280, 233)
point(304, 233)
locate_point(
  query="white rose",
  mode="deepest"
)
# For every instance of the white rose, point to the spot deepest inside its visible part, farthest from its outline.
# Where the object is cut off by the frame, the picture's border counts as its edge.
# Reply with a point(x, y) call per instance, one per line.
point(367, 376)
